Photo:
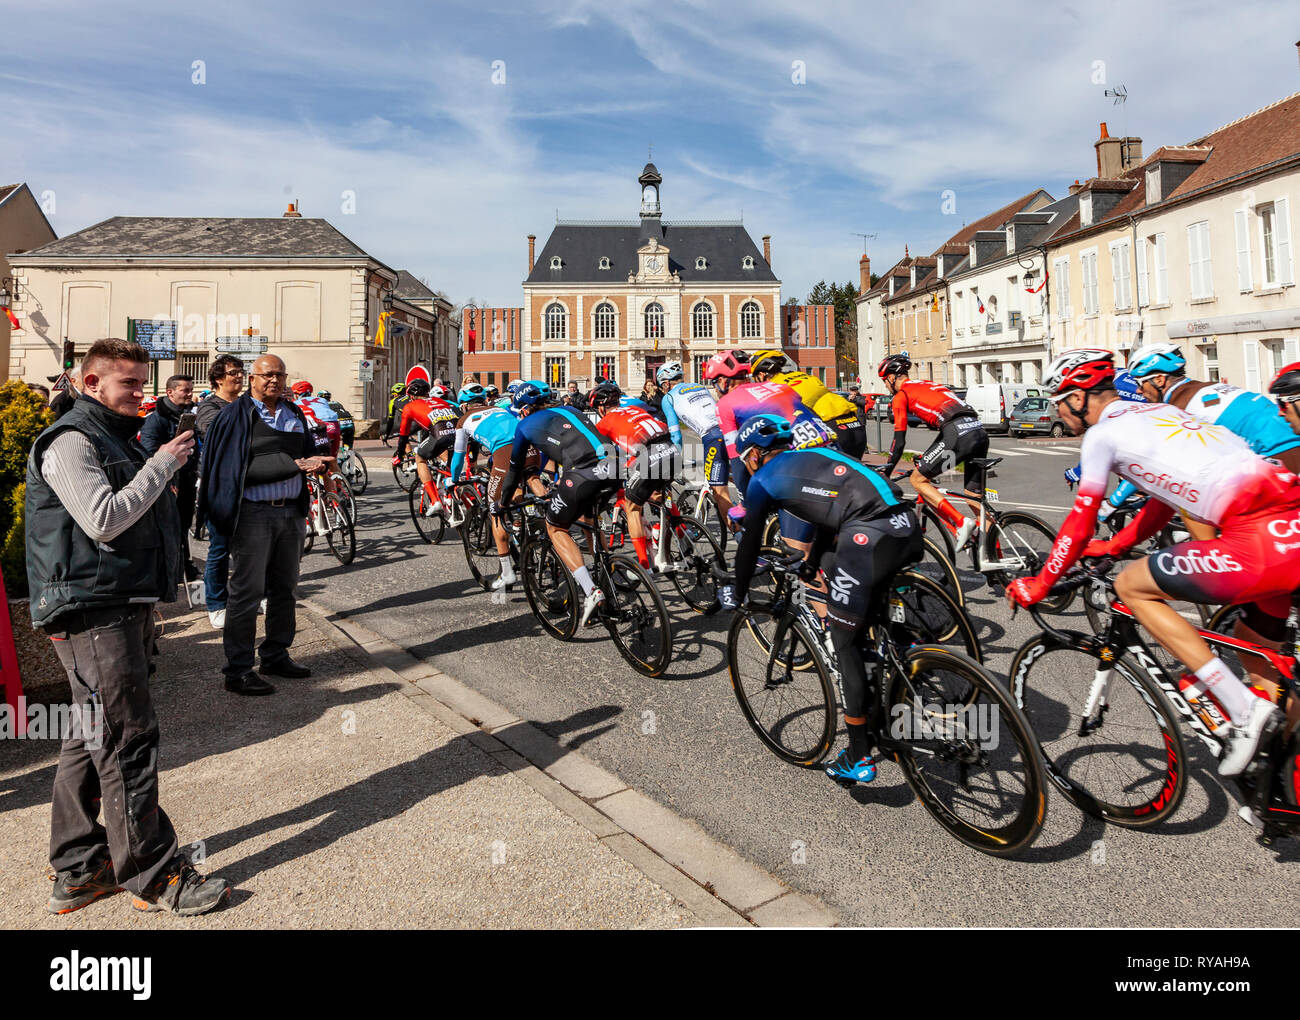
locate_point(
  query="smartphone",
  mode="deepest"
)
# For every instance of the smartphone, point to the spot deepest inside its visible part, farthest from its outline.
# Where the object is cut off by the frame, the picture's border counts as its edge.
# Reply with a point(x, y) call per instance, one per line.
point(186, 424)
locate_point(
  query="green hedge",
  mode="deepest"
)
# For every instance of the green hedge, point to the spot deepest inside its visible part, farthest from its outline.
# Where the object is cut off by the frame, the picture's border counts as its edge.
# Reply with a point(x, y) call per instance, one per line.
point(23, 415)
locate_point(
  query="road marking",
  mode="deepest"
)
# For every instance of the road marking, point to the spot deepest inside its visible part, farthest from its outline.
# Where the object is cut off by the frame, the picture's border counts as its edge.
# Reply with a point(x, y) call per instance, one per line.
point(1034, 506)
point(1056, 453)
point(1006, 453)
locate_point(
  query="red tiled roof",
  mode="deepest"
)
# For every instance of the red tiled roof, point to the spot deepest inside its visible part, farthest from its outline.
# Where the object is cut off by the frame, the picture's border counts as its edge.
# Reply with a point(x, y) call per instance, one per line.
point(1255, 140)
point(8, 189)
point(1178, 154)
point(990, 222)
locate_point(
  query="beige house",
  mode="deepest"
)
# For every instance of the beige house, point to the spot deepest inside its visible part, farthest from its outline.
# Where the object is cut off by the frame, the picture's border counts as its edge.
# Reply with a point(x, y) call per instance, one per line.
point(293, 286)
point(23, 226)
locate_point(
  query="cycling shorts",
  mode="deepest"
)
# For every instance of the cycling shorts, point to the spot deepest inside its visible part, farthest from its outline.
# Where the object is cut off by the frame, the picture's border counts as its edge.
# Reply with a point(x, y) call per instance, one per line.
point(851, 436)
point(1256, 558)
point(959, 440)
point(866, 555)
point(717, 466)
point(577, 493)
point(436, 445)
point(651, 469)
point(501, 467)
point(321, 438)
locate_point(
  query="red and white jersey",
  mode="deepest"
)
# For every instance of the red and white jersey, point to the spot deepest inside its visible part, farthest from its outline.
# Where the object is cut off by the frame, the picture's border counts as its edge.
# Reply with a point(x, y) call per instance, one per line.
point(631, 427)
point(1185, 462)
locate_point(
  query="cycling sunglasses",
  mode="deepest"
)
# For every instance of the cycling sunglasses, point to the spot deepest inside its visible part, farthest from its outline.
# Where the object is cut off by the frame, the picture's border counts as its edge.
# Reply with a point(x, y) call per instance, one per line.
point(1283, 401)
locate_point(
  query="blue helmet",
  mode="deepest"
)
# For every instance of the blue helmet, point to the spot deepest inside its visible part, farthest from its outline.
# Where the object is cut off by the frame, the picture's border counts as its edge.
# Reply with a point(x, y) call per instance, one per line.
point(527, 395)
point(1128, 386)
point(1157, 359)
point(513, 385)
point(473, 393)
point(765, 431)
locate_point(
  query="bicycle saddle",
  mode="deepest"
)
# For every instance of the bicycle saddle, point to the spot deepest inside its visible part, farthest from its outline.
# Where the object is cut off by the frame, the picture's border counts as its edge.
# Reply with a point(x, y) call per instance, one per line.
point(985, 462)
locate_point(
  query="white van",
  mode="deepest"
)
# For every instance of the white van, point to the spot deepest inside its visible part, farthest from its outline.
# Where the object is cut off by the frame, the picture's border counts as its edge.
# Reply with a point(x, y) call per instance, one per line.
point(994, 402)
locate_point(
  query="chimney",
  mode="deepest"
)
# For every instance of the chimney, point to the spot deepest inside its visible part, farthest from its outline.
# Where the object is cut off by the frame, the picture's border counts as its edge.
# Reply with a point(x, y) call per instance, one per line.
point(532, 240)
point(291, 212)
point(864, 274)
point(767, 248)
point(1110, 161)
point(1076, 187)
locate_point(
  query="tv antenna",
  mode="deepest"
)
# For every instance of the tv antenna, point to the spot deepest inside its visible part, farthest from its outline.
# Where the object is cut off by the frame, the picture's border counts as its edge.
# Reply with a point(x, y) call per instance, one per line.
point(865, 238)
point(1119, 93)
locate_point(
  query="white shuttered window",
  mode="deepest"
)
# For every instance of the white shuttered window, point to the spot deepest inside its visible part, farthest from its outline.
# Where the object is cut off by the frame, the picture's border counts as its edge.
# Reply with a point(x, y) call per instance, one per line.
point(1198, 260)
point(1241, 222)
point(1143, 295)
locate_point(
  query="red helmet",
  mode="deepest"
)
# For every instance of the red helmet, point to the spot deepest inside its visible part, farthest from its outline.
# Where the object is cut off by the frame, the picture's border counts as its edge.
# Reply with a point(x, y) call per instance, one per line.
point(727, 365)
point(894, 364)
point(1083, 368)
point(302, 389)
point(1287, 381)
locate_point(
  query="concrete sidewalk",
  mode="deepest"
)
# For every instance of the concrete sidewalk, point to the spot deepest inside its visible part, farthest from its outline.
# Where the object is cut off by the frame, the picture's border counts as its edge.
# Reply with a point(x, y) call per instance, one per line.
point(357, 799)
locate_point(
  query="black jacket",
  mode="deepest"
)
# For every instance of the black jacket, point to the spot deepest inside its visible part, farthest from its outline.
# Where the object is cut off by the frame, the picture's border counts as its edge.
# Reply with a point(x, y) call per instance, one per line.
point(159, 428)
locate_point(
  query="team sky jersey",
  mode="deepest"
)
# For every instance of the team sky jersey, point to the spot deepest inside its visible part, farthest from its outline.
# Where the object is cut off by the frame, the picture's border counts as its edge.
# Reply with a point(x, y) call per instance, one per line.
point(740, 404)
point(1250, 415)
point(828, 405)
point(692, 405)
point(823, 487)
point(932, 402)
point(560, 434)
point(490, 427)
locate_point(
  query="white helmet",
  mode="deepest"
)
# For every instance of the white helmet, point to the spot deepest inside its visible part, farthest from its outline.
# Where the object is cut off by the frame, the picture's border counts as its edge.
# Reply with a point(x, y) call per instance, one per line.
point(668, 372)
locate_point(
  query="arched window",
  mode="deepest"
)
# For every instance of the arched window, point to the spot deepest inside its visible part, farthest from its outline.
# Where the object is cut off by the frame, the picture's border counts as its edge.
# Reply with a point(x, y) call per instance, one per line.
point(654, 319)
point(555, 322)
point(751, 320)
point(605, 319)
point(702, 321)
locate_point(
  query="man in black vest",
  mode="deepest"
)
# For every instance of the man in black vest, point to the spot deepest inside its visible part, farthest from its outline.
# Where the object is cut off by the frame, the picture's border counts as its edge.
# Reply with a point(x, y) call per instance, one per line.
point(254, 491)
point(103, 545)
point(160, 426)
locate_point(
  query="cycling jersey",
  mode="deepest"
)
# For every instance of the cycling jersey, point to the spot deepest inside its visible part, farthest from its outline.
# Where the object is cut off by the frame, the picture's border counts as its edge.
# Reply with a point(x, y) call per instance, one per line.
point(560, 434)
point(1250, 415)
point(692, 405)
point(490, 427)
point(631, 427)
point(652, 456)
point(436, 416)
point(740, 404)
point(828, 405)
point(932, 402)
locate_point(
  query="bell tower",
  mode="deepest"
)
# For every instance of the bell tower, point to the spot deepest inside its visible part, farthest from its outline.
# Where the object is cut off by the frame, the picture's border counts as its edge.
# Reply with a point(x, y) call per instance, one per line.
point(649, 181)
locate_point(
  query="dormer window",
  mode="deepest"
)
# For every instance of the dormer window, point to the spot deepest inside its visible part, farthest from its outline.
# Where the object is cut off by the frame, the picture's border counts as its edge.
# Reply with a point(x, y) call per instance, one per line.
point(703, 263)
point(555, 262)
point(1085, 209)
point(1153, 185)
point(747, 262)
point(604, 262)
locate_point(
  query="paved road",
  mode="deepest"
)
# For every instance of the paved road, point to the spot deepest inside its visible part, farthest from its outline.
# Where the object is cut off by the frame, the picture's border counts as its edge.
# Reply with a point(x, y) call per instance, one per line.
point(874, 853)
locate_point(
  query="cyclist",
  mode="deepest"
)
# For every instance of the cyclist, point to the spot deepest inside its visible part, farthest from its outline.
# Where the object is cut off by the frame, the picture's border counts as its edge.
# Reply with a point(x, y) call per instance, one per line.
point(322, 419)
point(397, 397)
point(347, 426)
point(565, 436)
point(652, 460)
point(423, 413)
point(493, 394)
point(692, 405)
point(865, 533)
point(1181, 463)
point(835, 410)
point(961, 439)
point(1127, 388)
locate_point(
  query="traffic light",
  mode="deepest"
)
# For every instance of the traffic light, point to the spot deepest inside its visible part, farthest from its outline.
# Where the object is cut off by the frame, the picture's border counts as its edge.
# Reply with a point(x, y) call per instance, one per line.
point(69, 355)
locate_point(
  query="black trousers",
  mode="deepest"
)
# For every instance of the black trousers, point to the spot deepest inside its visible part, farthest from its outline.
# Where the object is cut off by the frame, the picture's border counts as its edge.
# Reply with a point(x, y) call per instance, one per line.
point(112, 765)
point(265, 551)
point(186, 495)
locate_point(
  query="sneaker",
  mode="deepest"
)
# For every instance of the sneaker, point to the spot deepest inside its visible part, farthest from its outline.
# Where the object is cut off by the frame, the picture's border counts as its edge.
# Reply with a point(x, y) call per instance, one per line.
point(217, 617)
point(433, 509)
point(1247, 814)
point(596, 598)
point(965, 531)
point(1244, 739)
point(845, 771)
point(72, 892)
point(455, 514)
point(500, 584)
point(183, 892)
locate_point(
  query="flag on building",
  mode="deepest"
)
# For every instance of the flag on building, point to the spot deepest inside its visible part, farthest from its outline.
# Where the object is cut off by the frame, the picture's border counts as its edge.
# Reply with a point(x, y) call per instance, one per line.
point(471, 336)
point(13, 319)
point(934, 302)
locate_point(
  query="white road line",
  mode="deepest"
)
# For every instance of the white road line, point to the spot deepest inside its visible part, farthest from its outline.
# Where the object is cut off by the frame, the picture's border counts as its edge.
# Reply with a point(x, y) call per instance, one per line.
point(1032, 506)
point(1056, 453)
point(1006, 453)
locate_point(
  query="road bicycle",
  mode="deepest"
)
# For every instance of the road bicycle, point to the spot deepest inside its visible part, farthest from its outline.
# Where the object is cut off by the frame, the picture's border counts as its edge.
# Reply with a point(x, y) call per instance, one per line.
point(1105, 711)
point(695, 500)
point(327, 516)
point(932, 710)
point(450, 512)
point(522, 521)
point(353, 467)
point(404, 472)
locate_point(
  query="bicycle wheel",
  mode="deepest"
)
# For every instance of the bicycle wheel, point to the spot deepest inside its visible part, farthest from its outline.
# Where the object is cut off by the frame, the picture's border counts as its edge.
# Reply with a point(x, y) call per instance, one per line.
point(342, 536)
point(792, 710)
point(921, 612)
point(346, 496)
point(1027, 541)
point(694, 554)
point(429, 528)
point(405, 474)
point(934, 529)
point(705, 511)
point(1126, 763)
point(552, 595)
point(309, 539)
point(360, 475)
point(954, 720)
point(938, 568)
point(480, 546)
point(635, 615)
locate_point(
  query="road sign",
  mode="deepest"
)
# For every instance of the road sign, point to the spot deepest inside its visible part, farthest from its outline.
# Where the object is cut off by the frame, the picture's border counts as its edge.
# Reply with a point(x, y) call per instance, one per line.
point(242, 345)
point(157, 336)
point(418, 372)
point(61, 383)
point(366, 370)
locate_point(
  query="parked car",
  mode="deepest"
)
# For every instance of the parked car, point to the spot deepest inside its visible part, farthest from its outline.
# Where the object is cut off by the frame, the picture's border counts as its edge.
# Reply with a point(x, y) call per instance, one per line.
point(994, 402)
point(1036, 416)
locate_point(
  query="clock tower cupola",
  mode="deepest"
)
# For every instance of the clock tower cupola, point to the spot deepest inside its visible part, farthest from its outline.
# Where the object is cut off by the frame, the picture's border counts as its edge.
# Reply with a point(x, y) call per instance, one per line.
point(649, 181)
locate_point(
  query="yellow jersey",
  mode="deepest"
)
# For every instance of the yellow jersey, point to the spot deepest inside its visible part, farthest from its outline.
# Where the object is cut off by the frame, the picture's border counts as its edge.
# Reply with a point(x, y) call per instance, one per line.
point(828, 405)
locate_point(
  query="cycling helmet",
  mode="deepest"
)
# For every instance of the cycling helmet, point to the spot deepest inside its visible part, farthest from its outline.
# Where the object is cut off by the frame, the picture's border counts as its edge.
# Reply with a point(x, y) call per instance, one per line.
point(1157, 359)
point(765, 431)
point(527, 395)
point(418, 388)
point(438, 392)
point(1083, 368)
point(325, 395)
point(544, 386)
point(894, 364)
point(491, 392)
point(727, 365)
point(301, 388)
point(1287, 381)
point(397, 389)
point(1128, 386)
point(513, 386)
point(770, 361)
point(473, 393)
point(605, 393)
point(669, 372)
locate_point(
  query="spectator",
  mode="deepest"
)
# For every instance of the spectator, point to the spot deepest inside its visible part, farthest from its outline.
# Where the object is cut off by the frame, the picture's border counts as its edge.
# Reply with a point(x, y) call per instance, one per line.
point(254, 492)
point(226, 377)
point(574, 398)
point(103, 544)
point(858, 401)
point(41, 389)
point(63, 400)
point(651, 395)
point(159, 428)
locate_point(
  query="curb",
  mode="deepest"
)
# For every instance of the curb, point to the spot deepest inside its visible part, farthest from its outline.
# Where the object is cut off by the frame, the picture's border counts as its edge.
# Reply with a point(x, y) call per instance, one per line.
point(718, 885)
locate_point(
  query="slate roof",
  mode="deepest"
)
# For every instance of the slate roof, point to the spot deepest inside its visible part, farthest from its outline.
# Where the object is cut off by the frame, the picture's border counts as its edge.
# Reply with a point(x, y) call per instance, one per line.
point(409, 288)
point(993, 220)
point(580, 247)
point(218, 237)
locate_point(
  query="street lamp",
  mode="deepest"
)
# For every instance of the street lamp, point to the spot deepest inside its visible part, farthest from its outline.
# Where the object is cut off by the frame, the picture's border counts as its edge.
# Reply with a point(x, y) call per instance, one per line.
point(6, 296)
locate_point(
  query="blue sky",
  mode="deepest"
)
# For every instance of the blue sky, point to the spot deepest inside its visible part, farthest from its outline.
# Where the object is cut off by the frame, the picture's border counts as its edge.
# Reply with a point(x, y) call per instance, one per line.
point(396, 104)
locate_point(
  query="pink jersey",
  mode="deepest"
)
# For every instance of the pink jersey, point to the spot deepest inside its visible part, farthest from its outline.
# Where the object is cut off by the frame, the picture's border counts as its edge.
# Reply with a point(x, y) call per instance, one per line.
point(740, 404)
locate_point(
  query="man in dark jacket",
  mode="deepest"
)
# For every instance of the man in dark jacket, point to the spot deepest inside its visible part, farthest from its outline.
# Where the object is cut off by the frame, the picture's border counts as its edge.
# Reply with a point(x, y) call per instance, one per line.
point(226, 375)
point(160, 427)
point(103, 543)
point(575, 398)
point(254, 492)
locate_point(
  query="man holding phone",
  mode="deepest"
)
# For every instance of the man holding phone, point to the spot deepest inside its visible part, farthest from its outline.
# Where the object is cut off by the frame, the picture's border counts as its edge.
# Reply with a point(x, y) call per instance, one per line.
point(172, 415)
